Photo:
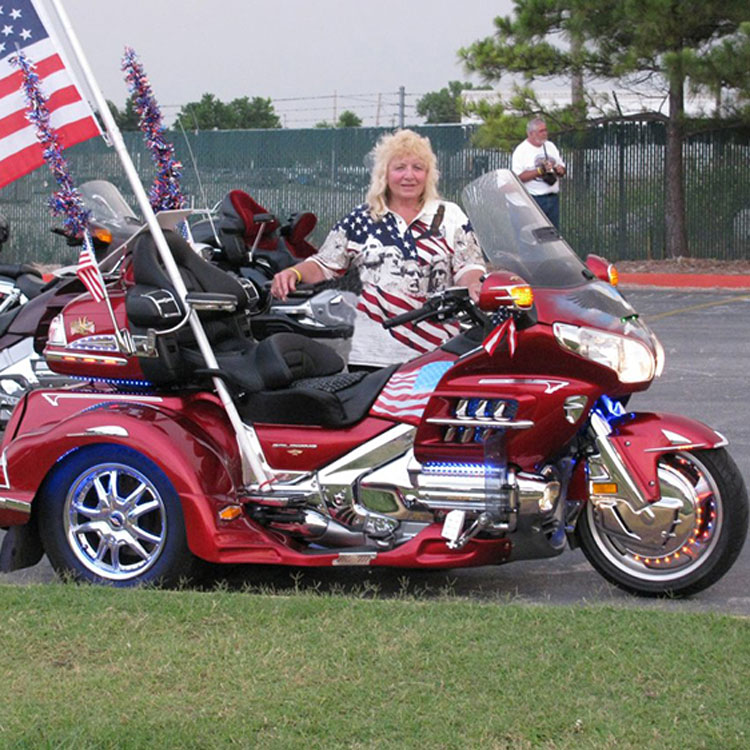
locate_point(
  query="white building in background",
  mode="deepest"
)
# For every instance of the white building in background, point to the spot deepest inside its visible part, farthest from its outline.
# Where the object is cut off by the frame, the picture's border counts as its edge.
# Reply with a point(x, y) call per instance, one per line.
point(627, 101)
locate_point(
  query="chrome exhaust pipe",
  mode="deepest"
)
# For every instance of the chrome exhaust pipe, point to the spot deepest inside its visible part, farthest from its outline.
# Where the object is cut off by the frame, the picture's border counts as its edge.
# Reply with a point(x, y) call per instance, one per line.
point(318, 528)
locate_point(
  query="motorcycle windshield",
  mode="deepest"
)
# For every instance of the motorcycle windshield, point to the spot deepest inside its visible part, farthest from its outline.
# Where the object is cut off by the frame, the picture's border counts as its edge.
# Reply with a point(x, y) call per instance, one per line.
point(108, 207)
point(515, 234)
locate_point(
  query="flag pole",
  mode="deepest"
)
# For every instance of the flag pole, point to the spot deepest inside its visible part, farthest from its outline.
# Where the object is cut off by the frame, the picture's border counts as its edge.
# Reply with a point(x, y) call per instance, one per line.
point(249, 445)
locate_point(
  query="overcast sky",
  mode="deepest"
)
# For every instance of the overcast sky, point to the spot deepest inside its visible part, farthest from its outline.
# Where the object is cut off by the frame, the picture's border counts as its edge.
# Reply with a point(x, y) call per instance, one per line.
point(301, 52)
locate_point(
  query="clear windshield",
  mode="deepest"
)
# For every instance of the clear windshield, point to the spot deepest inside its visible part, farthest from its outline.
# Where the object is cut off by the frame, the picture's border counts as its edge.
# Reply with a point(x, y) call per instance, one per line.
point(515, 234)
point(107, 205)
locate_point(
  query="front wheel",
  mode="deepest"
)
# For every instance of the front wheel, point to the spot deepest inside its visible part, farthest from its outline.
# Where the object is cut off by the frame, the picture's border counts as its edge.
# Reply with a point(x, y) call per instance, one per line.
point(681, 544)
point(109, 515)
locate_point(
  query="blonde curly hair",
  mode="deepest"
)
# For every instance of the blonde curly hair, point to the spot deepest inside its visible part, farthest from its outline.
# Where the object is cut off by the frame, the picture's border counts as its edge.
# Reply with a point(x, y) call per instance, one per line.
point(389, 147)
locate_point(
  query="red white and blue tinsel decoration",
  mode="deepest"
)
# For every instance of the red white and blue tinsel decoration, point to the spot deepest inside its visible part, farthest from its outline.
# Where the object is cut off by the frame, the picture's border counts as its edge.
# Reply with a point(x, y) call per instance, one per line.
point(165, 193)
point(67, 201)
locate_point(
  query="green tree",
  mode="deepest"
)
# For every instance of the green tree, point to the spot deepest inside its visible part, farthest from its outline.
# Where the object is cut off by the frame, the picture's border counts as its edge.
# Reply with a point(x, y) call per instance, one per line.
point(210, 113)
point(253, 113)
point(661, 43)
point(348, 119)
point(127, 118)
point(445, 105)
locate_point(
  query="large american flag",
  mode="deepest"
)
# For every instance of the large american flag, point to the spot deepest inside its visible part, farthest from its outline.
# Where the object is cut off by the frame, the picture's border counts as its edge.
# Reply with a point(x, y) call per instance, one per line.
point(21, 28)
point(409, 389)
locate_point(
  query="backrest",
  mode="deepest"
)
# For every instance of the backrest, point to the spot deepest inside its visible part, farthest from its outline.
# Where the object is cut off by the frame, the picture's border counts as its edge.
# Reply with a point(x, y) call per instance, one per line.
point(249, 211)
point(296, 231)
point(153, 302)
point(197, 274)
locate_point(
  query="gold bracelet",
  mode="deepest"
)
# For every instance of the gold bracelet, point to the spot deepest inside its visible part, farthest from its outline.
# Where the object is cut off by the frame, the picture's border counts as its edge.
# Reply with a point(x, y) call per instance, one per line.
point(296, 270)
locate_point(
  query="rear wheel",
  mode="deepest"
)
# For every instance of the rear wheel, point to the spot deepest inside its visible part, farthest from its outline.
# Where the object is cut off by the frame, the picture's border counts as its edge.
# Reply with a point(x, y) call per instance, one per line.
point(681, 544)
point(110, 515)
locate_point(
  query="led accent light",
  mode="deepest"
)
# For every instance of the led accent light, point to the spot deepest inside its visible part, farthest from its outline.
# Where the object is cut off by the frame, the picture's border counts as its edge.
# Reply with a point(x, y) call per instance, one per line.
point(460, 469)
point(114, 381)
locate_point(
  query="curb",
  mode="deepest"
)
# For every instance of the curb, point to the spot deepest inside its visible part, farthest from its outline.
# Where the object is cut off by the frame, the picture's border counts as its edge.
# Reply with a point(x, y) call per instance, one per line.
point(687, 280)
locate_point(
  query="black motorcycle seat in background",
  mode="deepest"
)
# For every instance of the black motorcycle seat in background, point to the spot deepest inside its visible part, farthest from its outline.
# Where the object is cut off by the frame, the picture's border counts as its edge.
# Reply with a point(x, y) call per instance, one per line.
point(14, 270)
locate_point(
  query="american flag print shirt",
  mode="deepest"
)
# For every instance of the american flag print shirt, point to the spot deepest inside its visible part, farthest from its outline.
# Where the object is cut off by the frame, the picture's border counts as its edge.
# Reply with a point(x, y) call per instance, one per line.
point(400, 265)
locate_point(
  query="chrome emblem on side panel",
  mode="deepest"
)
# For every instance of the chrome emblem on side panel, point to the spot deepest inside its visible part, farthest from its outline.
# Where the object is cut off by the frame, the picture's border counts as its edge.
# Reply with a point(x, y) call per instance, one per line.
point(82, 327)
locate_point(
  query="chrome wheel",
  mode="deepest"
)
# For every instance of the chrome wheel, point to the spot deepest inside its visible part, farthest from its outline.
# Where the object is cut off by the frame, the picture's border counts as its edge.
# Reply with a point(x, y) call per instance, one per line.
point(108, 514)
point(115, 521)
point(681, 543)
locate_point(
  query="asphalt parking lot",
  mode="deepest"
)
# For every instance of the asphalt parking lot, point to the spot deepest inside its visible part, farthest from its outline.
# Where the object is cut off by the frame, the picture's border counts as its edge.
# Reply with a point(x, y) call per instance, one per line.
point(706, 338)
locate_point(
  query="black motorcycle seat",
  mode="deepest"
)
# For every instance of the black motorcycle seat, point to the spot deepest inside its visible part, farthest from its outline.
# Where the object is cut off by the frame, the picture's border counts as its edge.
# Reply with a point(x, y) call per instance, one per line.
point(334, 401)
point(31, 285)
point(14, 270)
point(7, 318)
point(272, 364)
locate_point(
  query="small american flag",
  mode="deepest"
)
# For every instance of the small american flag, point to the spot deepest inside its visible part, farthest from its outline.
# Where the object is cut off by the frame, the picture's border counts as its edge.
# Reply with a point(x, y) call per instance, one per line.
point(407, 392)
point(21, 28)
point(88, 270)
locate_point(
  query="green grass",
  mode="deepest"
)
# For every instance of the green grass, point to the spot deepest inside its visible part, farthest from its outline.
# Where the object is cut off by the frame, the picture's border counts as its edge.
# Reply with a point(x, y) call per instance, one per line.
point(86, 667)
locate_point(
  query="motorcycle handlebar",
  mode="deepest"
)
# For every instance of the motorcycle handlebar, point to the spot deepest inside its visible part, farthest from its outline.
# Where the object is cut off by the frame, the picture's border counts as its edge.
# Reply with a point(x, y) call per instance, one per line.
point(407, 317)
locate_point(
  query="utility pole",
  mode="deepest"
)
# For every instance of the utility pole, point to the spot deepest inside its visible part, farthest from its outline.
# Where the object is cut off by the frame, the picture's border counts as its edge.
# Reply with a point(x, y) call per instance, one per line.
point(401, 105)
point(377, 112)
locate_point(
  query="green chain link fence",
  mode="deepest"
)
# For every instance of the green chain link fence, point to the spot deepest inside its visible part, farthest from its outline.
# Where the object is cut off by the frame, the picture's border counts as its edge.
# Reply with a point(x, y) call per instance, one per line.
point(612, 202)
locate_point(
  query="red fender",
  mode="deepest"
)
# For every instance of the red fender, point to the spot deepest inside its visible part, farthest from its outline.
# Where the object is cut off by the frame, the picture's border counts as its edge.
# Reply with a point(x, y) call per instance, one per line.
point(641, 437)
point(195, 449)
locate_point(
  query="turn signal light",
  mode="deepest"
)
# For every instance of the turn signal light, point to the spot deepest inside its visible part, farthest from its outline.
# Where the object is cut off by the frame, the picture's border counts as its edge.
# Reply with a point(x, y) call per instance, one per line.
point(102, 234)
point(614, 276)
point(523, 296)
point(230, 512)
point(603, 488)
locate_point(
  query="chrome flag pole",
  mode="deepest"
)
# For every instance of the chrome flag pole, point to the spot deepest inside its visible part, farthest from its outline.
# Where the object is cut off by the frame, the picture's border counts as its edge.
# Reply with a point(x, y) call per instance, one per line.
point(249, 445)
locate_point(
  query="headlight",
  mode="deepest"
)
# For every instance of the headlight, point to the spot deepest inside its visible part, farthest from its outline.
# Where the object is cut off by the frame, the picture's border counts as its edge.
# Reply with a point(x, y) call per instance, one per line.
point(661, 357)
point(630, 359)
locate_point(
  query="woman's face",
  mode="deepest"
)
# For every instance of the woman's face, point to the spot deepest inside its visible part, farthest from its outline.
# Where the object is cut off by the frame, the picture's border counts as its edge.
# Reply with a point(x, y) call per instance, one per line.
point(406, 178)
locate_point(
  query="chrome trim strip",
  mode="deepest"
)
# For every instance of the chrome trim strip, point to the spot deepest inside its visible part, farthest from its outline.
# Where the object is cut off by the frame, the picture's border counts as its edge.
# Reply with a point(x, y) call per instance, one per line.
point(53, 398)
point(550, 385)
point(106, 430)
point(676, 447)
point(7, 503)
point(521, 424)
point(4, 481)
point(722, 440)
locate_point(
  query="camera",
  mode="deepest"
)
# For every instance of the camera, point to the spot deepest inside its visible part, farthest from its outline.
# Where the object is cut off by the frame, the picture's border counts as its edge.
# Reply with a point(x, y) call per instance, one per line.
point(550, 177)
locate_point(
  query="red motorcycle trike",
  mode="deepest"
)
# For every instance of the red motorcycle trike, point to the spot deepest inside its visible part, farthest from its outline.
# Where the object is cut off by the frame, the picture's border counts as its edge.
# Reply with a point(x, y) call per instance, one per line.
point(510, 442)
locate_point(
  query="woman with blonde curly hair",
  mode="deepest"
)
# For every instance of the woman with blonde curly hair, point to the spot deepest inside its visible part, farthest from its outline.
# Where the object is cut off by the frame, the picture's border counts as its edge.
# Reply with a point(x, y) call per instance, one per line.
point(404, 241)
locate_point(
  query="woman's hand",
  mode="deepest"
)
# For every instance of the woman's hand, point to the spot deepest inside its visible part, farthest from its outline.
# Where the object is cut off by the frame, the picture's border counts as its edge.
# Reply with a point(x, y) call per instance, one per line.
point(474, 289)
point(285, 282)
point(472, 280)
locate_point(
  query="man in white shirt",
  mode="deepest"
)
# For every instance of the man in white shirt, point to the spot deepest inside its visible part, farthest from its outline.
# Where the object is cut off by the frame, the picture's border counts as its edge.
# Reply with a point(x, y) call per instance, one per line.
point(538, 164)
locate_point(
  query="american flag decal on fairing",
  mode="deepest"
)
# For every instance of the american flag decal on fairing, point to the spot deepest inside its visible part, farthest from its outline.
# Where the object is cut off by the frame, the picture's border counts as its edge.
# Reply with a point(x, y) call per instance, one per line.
point(407, 392)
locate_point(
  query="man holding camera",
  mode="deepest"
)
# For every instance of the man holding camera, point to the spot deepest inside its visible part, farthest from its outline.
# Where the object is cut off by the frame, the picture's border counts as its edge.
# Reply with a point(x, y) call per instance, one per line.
point(538, 165)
